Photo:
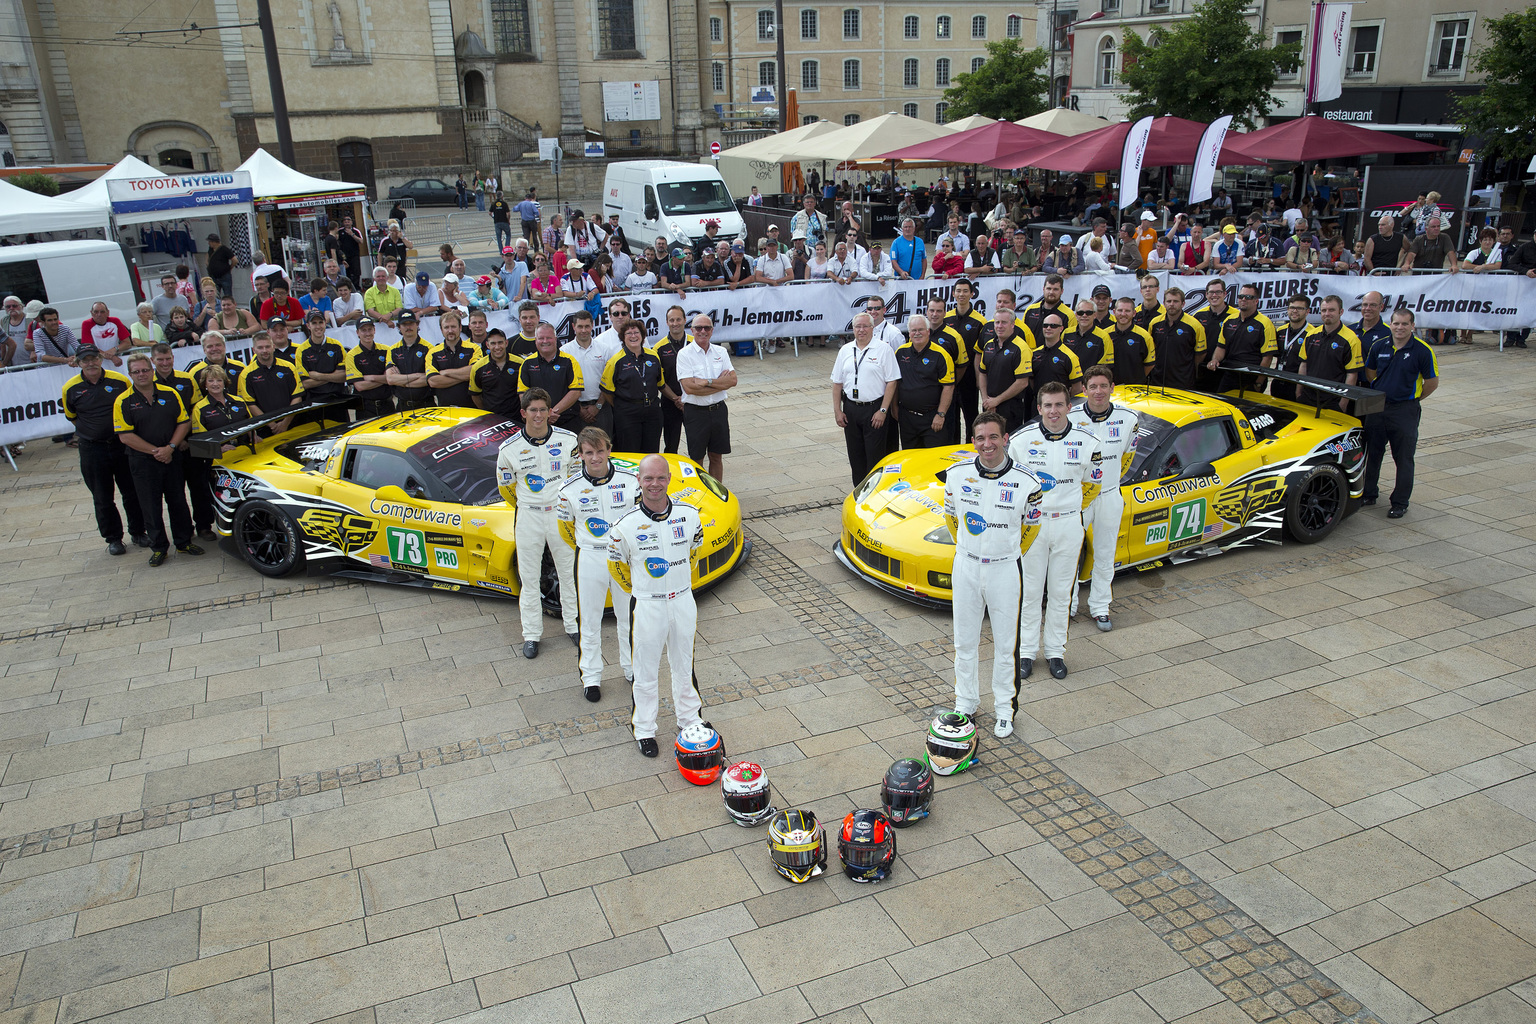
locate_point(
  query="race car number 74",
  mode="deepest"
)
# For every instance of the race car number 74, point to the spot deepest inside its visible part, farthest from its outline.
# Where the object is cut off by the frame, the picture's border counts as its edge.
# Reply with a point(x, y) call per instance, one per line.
point(1188, 519)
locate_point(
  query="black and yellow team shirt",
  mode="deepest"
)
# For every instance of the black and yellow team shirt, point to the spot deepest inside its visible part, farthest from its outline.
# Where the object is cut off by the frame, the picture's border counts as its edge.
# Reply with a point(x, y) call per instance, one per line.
point(1089, 348)
point(444, 358)
point(1131, 353)
point(211, 415)
point(961, 352)
point(1332, 355)
point(558, 376)
point(270, 388)
point(1145, 314)
point(183, 384)
point(666, 350)
point(90, 406)
point(368, 361)
point(1002, 363)
point(1056, 363)
point(409, 360)
point(154, 419)
point(326, 357)
point(1248, 340)
point(634, 379)
point(1034, 314)
point(924, 375)
point(1105, 322)
point(496, 385)
point(1290, 341)
point(282, 347)
point(1180, 344)
point(199, 370)
point(522, 347)
point(1213, 324)
point(968, 328)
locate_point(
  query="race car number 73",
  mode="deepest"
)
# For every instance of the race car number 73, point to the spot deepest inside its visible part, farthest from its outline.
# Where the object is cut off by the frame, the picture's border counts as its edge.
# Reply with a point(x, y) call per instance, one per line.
point(407, 546)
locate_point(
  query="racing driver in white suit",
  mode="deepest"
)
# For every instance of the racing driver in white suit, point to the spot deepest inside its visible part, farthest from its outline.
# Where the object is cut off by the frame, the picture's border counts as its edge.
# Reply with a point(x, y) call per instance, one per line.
point(992, 506)
point(650, 554)
point(590, 503)
point(1066, 461)
point(531, 467)
point(1115, 427)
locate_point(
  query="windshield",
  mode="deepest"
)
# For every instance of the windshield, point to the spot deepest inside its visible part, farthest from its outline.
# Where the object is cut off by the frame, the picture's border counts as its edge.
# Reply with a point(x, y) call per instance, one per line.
point(694, 197)
point(1151, 432)
point(464, 458)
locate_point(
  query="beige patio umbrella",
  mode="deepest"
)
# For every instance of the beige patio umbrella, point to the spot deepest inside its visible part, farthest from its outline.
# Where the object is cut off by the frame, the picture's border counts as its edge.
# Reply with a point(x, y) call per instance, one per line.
point(967, 123)
point(866, 140)
point(1063, 122)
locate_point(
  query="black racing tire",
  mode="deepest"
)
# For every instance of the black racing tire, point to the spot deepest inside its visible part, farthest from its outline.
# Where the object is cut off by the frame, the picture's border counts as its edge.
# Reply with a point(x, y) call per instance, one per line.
point(549, 584)
point(1316, 501)
point(268, 538)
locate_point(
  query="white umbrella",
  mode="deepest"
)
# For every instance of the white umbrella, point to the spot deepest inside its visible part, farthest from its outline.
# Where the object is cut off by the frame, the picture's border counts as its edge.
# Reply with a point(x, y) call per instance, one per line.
point(868, 139)
point(1063, 122)
point(967, 123)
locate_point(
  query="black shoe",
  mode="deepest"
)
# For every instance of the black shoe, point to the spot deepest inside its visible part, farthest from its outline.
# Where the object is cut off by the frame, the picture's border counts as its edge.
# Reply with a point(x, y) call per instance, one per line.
point(1026, 666)
point(1058, 667)
point(706, 724)
point(206, 533)
point(116, 548)
point(648, 747)
point(156, 559)
point(575, 639)
point(61, 438)
point(530, 649)
point(593, 693)
point(141, 540)
point(1397, 511)
point(189, 549)
point(1367, 502)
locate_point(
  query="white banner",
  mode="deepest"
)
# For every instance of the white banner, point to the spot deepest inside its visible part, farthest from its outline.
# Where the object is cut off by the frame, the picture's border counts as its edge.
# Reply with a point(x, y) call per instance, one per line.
point(1130, 161)
point(29, 399)
point(1205, 159)
point(1330, 38)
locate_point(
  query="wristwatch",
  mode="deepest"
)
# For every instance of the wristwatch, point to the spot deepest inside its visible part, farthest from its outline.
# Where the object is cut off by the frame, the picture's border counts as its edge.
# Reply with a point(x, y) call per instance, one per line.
point(882, 412)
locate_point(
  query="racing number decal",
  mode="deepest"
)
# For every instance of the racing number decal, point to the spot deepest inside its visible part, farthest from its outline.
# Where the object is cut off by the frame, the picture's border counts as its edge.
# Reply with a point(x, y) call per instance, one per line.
point(407, 547)
point(1187, 520)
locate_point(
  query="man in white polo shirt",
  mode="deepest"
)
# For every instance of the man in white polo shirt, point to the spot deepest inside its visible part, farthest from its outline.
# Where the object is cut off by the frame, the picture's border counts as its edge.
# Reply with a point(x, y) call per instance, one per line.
point(706, 373)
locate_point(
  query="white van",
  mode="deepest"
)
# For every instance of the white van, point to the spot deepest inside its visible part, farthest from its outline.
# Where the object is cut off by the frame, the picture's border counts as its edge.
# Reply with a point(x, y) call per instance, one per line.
point(655, 198)
point(71, 276)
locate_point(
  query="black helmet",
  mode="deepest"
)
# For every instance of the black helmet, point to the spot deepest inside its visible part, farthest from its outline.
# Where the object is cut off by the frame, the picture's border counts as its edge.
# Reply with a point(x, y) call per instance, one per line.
point(906, 792)
point(867, 846)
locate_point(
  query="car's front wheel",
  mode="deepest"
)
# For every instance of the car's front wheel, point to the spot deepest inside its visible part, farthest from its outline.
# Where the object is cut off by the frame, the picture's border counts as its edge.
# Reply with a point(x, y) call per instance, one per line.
point(1315, 503)
point(268, 538)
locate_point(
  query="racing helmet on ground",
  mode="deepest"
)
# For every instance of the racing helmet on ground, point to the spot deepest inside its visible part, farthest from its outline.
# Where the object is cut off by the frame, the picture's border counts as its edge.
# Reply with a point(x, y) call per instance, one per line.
point(951, 743)
point(867, 846)
point(906, 791)
point(700, 754)
point(744, 787)
point(798, 845)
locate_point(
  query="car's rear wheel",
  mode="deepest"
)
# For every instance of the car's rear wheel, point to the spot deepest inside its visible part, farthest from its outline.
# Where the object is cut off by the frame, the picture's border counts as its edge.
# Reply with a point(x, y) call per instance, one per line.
point(1315, 503)
point(268, 538)
point(549, 585)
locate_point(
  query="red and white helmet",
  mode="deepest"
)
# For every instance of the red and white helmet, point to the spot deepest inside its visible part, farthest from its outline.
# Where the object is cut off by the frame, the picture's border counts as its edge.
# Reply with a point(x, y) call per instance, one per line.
point(747, 797)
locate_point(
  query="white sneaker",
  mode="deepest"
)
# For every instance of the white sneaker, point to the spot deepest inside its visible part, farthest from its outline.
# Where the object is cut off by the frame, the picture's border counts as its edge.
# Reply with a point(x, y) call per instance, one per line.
point(1004, 727)
point(773, 347)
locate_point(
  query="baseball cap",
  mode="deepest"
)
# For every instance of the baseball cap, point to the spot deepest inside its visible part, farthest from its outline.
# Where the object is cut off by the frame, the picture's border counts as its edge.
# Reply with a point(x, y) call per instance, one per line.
point(1101, 289)
point(738, 247)
point(214, 237)
point(678, 254)
point(577, 264)
point(877, 244)
point(406, 317)
point(507, 250)
point(275, 321)
point(366, 321)
point(1229, 230)
point(422, 277)
point(449, 277)
point(87, 351)
point(316, 314)
point(1148, 215)
point(483, 279)
point(797, 234)
point(1064, 240)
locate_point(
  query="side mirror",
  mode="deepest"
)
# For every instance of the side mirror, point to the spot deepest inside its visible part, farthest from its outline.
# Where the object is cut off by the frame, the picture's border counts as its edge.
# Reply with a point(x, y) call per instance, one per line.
point(651, 212)
point(1199, 469)
point(389, 492)
point(414, 488)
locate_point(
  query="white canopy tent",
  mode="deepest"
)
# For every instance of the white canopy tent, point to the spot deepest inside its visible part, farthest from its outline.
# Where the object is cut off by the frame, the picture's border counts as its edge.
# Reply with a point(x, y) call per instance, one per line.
point(1062, 121)
point(760, 161)
point(866, 140)
point(95, 194)
point(23, 212)
point(278, 186)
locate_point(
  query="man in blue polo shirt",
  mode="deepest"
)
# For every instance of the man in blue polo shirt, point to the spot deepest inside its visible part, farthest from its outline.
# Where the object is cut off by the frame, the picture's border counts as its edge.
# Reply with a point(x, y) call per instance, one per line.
point(907, 253)
point(1371, 328)
point(1402, 367)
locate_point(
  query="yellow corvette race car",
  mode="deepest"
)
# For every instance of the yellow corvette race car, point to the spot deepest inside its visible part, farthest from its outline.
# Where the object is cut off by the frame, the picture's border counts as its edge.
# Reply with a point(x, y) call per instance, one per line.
point(410, 498)
point(1208, 473)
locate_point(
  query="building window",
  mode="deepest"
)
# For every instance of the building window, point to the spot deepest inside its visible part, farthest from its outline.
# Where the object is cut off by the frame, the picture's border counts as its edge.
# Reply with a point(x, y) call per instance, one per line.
point(1110, 6)
point(768, 73)
point(510, 26)
point(1448, 53)
point(976, 63)
point(616, 28)
point(909, 73)
point(1107, 62)
point(850, 119)
point(716, 30)
point(851, 23)
point(1287, 37)
point(909, 27)
point(808, 119)
point(941, 30)
point(941, 72)
point(810, 26)
point(765, 26)
point(1061, 21)
point(979, 27)
point(810, 75)
point(1363, 45)
point(909, 110)
point(717, 76)
point(1015, 27)
point(850, 75)
point(940, 112)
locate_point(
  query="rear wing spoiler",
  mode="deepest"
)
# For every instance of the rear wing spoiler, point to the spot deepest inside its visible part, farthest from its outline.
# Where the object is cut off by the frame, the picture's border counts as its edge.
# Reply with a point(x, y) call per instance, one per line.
point(210, 443)
point(1364, 401)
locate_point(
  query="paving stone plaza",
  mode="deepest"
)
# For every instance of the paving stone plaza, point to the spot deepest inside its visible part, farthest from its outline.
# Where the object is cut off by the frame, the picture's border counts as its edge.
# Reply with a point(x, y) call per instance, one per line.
point(1294, 784)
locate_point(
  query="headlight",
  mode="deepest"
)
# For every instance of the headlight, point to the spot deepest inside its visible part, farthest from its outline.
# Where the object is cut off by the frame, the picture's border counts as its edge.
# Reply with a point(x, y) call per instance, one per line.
point(714, 487)
point(939, 535)
point(869, 485)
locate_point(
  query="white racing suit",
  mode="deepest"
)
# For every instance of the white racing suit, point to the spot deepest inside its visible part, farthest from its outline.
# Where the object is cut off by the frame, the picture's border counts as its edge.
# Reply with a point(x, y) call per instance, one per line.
point(651, 557)
point(1070, 471)
point(588, 510)
point(1116, 432)
point(530, 474)
point(993, 514)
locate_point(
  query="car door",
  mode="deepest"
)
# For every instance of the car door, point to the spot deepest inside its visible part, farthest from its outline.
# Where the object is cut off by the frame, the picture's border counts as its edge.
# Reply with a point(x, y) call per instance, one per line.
point(1172, 506)
point(420, 529)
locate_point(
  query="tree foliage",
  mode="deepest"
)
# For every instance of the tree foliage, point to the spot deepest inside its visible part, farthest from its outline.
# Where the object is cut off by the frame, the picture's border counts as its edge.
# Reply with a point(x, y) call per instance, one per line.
point(42, 184)
point(1214, 63)
point(1009, 85)
point(1503, 111)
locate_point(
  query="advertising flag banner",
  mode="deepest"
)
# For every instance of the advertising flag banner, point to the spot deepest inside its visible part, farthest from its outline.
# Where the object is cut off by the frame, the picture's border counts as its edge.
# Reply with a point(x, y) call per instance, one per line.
point(1130, 160)
point(1205, 159)
point(1330, 36)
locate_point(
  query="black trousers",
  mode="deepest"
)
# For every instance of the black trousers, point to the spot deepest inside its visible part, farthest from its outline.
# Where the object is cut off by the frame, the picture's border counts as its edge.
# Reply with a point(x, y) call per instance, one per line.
point(967, 400)
point(867, 444)
point(104, 466)
point(671, 426)
point(916, 427)
point(161, 483)
point(368, 408)
point(199, 476)
point(637, 428)
point(413, 398)
point(1396, 425)
point(603, 422)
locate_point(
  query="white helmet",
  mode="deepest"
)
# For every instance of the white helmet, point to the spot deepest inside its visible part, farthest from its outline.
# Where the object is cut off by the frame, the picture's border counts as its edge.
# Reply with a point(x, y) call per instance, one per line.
point(744, 787)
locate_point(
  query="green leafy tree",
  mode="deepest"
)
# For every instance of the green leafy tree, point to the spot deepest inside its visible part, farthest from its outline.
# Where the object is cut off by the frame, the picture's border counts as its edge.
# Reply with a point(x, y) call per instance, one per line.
point(1503, 111)
point(1009, 85)
point(42, 184)
point(1212, 64)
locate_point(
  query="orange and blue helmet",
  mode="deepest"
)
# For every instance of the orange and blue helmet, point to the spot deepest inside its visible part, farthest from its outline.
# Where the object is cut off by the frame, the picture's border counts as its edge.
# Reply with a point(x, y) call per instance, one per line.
point(700, 754)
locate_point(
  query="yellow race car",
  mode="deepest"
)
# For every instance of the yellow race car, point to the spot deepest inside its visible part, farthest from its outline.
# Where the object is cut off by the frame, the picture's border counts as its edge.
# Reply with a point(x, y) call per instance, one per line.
point(1209, 473)
point(410, 498)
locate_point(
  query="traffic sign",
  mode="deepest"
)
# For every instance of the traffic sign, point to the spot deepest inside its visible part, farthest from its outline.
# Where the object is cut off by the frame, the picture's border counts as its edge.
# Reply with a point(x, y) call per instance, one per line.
point(714, 149)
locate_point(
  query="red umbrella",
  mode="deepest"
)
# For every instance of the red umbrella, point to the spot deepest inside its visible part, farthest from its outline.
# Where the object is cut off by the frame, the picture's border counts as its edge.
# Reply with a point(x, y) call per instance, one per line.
point(1317, 138)
point(978, 145)
point(1172, 143)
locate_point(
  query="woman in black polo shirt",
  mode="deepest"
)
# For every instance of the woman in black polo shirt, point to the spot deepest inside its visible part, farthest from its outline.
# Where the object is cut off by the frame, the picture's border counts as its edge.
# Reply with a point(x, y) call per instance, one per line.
point(632, 386)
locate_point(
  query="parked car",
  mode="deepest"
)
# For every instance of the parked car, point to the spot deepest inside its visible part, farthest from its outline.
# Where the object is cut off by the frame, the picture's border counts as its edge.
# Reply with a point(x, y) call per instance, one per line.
point(426, 192)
